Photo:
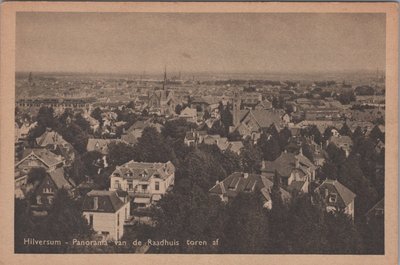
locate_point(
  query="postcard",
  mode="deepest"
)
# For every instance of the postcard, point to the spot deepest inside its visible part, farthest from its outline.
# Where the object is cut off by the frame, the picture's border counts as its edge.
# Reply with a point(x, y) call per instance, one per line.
point(222, 132)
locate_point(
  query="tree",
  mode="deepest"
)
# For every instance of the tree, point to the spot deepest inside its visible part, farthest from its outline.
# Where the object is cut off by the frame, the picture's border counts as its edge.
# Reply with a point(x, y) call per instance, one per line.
point(307, 151)
point(376, 134)
point(250, 158)
point(64, 222)
point(36, 175)
point(178, 109)
point(226, 117)
point(341, 234)
point(269, 147)
point(351, 176)
point(206, 115)
point(96, 113)
point(119, 153)
point(336, 155)
point(345, 130)
point(328, 133)
point(176, 129)
point(277, 218)
point(192, 216)
point(357, 135)
point(284, 136)
point(82, 123)
point(246, 229)
point(218, 128)
point(73, 134)
point(152, 148)
point(329, 171)
point(45, 117)
point(312, 131)
point(131, 105)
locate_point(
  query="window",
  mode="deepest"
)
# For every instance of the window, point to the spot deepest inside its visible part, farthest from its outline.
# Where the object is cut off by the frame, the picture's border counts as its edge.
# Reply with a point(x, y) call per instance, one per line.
point(117, 219)
point(333, 197)
point(117, 185)
point(91, 220)
point(95, 203)
point(157, 185)
point(38, 199)
point(126, 213)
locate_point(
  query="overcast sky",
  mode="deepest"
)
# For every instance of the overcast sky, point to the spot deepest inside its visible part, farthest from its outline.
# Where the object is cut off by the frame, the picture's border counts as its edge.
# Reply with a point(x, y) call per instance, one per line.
point(237, 43)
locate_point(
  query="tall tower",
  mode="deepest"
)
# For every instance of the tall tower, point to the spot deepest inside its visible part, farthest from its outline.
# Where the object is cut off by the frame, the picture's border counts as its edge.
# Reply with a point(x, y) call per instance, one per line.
point(165, 78)
point(236, 109)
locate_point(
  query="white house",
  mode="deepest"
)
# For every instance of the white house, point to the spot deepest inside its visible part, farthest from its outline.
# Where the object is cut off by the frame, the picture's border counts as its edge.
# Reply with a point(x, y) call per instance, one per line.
point(337, 197)
point(106, 213)
point(146, 182)
point(189, 114)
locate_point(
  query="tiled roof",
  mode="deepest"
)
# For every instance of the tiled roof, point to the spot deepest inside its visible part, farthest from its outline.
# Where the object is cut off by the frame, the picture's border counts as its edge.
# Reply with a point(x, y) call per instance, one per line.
point(50, 138)
point(341, 140)
point(143, 171)
point(100, 145)
point(345, 196)
point(129, 138)
point(286, 163)
point(47, 157)
point(238, 182)
point(380, 205)
point(58, 177)
point(295, 185)
point(107, 201)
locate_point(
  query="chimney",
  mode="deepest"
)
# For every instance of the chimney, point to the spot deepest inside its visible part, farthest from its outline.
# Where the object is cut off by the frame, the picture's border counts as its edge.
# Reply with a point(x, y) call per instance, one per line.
point(245, 175)
point(326, 193)
point(95, 203)
point(297, 162)
point(263, 164)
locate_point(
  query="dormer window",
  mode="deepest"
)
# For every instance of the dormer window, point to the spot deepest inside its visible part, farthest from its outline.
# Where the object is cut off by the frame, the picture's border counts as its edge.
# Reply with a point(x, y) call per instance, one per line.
point(333, 198)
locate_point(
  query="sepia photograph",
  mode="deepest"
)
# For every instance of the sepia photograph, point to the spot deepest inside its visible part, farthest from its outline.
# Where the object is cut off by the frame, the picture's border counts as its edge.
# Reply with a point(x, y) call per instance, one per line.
point(200, 133)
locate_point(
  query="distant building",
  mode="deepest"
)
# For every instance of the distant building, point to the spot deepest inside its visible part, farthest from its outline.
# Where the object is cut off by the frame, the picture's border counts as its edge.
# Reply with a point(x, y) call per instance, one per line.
point(106, 213)
point(343, 142)
point(39, 157)
point(100, 145)
point(189, 114)
point(337, 197)
point(295, 171)
point(250, 123)
point(238, 182)
point(376, 212)
point(145, 182)
point(47, 189)
point(192, 138)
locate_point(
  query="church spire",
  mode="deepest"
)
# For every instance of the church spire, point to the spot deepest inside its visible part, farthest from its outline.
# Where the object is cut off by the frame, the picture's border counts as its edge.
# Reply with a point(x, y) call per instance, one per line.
point(165, 78)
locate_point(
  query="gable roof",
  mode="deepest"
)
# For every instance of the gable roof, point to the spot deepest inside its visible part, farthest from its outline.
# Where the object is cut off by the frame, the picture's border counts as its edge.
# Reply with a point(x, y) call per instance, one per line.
point(380, 205)
point(58, 177)
point(144, 171)
point(340, 140)
point(345, 196)
point(107, 201)
point(100, 145)
point(286, 163)
point(50, 138)
point(238, 182)
point(44, 155)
